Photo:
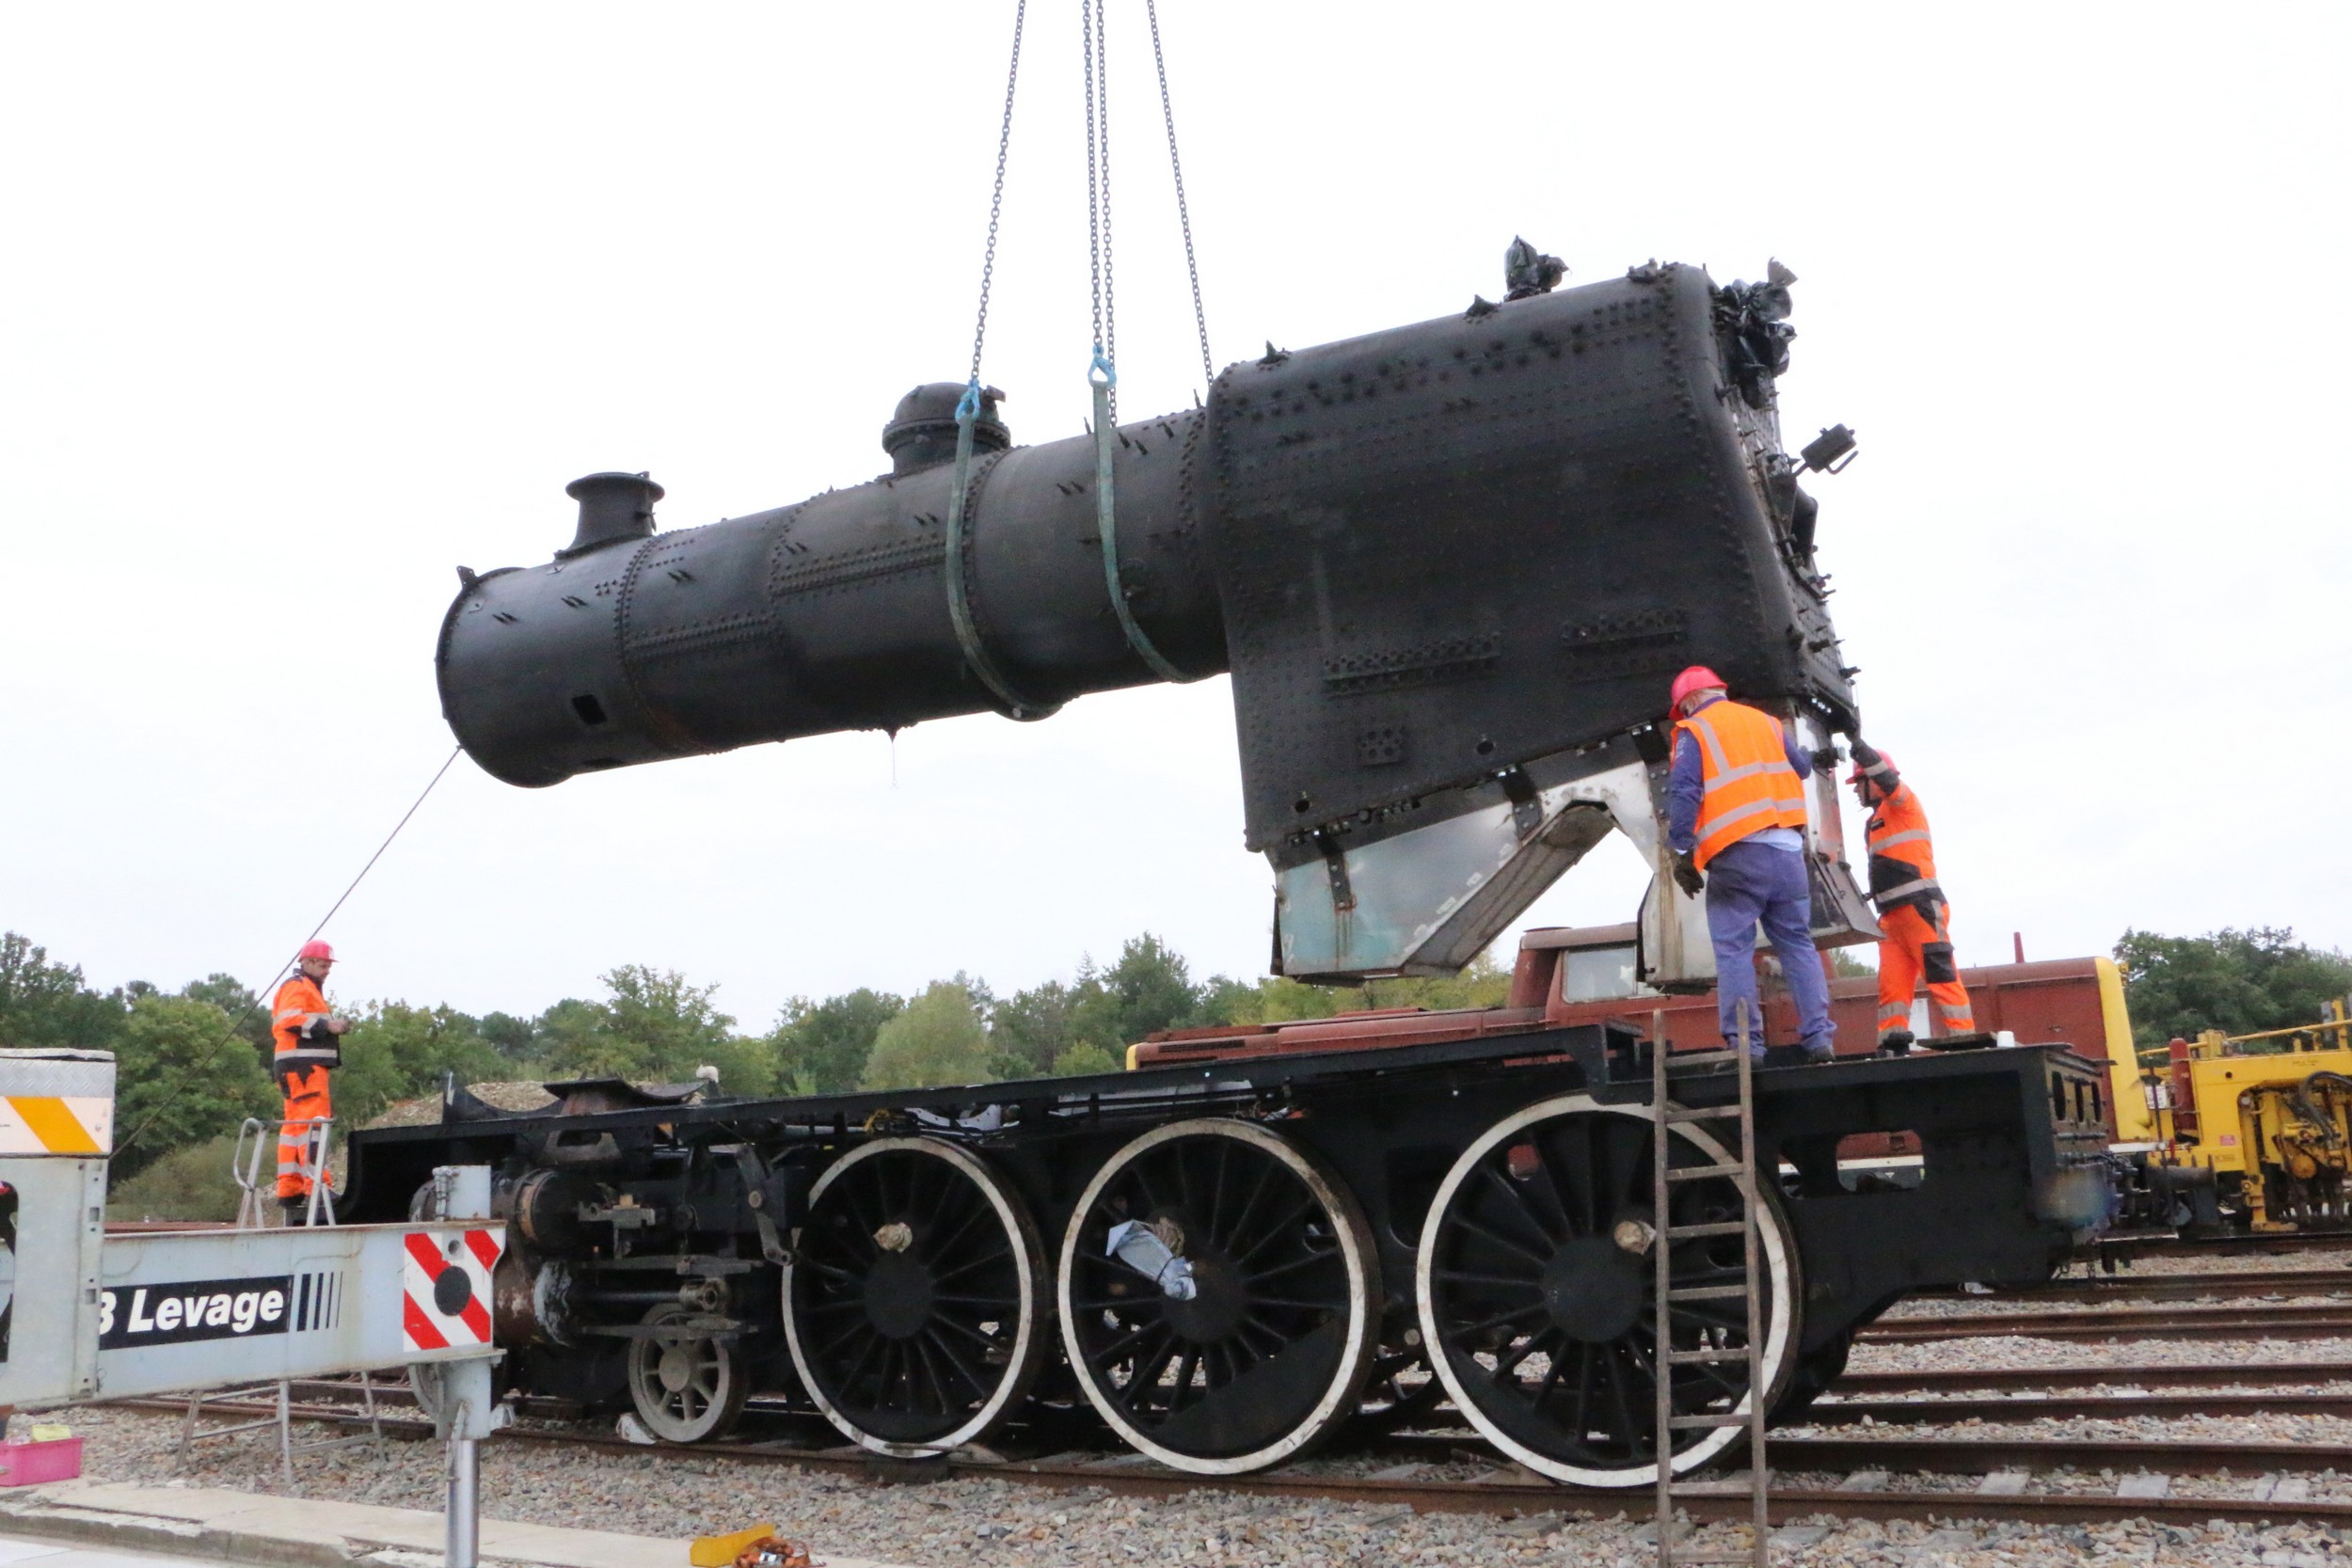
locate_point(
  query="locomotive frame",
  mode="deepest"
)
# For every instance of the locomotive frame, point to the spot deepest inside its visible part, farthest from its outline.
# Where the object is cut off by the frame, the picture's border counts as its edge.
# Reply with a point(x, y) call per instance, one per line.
point(921, 1266)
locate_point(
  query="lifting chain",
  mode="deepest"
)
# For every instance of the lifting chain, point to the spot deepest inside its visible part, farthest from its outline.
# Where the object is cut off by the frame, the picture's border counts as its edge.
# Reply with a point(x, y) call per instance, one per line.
point(1101, 372)
point(1095, 50)
point(967, 411)
point(1183, 214)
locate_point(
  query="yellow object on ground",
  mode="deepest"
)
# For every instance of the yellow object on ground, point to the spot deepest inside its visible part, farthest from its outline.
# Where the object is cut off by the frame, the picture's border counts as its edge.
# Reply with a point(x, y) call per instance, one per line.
point(720, 1551)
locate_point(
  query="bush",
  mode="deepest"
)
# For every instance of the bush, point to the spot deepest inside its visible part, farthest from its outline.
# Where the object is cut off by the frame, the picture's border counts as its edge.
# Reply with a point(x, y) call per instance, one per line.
point(395, 1052)
point(821, 1047)
point(191, 1183)
point(1083, 1058)
point(936, 1043)
point(2238, 982)
point(654, 1028)
point(182, 1078)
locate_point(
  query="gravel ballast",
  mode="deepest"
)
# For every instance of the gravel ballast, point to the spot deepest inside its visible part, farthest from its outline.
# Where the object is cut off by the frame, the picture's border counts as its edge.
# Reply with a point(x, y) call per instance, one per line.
point(960, 1521)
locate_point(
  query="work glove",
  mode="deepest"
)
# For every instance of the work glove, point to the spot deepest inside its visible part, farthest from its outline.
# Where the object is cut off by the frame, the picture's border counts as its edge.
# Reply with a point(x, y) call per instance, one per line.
point(1864, 754)
point(1826, 758)
point(1687, 875)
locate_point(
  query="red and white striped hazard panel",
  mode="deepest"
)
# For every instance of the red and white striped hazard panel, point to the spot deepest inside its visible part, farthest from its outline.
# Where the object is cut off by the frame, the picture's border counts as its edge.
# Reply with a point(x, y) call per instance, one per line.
point(445, 1288)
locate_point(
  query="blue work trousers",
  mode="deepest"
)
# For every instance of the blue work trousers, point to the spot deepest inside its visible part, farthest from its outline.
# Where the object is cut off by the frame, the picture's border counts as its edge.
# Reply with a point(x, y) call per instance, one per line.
point(1746, 883)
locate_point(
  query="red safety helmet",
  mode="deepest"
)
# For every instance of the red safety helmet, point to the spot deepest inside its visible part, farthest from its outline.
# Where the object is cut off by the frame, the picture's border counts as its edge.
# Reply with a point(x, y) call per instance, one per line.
point(1885, 757)
point(316, 950)
point(1698, 678)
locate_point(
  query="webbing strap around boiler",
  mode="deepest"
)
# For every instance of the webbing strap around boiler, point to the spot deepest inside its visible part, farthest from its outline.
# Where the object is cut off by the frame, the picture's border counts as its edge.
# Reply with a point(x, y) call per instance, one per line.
point(958, 591)
point(1102, 378)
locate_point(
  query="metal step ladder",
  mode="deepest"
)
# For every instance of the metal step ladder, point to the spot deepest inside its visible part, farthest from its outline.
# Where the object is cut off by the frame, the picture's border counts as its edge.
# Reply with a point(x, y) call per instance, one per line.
point(254, 1141)
point(1740, 1171)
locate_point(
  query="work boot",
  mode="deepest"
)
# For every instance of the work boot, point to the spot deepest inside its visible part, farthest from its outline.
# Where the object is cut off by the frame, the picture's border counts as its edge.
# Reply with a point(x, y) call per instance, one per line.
point(1897, 1042)
point(296, 1210)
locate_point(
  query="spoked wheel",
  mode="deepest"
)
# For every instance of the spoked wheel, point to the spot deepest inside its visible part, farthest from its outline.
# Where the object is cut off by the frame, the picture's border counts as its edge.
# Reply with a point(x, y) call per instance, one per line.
point(687, 1382)
point(1268, 1354)
point(1538, 1302)
point(913, 1302)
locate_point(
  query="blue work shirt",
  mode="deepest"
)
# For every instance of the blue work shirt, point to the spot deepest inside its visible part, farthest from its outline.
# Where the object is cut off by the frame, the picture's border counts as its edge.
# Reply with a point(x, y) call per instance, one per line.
point(1687, 785)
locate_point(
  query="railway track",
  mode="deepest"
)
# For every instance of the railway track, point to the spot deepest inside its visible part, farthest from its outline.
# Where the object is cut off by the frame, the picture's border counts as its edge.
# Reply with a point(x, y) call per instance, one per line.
point(1982, 1474)
point(2007, 1468)
point(2205, 1374)
point(2213, 1393)
point(2254, 1322)
point(2228, 1285)
point(2113, 1250)
point(1852, 1411)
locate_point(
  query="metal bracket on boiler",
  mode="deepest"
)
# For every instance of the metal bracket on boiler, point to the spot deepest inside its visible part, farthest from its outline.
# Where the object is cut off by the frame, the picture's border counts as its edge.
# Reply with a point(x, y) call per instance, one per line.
point(1429, 899)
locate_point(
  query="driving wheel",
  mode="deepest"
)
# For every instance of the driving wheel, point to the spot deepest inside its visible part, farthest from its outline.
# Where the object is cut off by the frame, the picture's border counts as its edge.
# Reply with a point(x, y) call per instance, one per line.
point(1249, 1338)
point(913, 1301)
point(1536, 1287)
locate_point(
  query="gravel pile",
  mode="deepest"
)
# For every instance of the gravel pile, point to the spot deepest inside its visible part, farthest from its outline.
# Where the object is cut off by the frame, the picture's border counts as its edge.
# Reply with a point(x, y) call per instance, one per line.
point(425, 1110)
point(959, 1521)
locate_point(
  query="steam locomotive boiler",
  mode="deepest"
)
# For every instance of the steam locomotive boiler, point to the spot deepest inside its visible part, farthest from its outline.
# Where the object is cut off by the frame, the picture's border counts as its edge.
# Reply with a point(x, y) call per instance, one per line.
point(1450, 568)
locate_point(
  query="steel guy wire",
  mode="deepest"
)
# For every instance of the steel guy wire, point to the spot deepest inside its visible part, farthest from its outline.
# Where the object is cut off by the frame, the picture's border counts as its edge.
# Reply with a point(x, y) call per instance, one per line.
point(213, 1050)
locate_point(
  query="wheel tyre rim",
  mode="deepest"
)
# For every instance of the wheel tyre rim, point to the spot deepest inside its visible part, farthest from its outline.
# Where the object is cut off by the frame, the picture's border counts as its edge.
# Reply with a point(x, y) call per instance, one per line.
point(1774, 1253)
point(1028, 1339)
point(686, 1387)
point(1356, 1253)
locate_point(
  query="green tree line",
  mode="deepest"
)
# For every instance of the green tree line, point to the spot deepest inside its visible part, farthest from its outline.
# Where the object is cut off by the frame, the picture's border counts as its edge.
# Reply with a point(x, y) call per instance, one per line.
point(191, 1061)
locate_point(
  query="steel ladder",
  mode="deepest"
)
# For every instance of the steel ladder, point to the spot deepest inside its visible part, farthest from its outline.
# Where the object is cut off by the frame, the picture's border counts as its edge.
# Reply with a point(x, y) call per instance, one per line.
point(252, 1214)
point(1740, 1171)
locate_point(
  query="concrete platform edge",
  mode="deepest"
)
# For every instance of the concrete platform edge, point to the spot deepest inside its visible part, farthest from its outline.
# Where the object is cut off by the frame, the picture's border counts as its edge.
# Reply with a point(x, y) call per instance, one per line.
point(130, 1532)
point(49, 1519)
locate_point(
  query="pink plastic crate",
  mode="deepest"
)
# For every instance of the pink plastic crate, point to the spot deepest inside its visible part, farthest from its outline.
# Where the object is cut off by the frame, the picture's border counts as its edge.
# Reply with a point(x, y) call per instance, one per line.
point(24, 1463)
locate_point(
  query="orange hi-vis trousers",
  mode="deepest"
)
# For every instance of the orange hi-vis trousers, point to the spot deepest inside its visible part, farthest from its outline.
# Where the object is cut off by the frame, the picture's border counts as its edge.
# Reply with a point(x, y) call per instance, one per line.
point(307, 1098)
point(1912, 948)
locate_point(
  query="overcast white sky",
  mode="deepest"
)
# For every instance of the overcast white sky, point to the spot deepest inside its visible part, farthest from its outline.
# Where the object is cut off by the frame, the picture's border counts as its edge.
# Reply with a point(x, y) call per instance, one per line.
point(303, 305)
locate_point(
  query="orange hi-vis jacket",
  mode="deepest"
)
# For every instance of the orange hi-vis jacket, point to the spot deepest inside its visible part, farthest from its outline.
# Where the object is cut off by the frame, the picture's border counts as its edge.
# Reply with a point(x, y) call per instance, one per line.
point(1749, 786)
point(301, 1064)
point(1902, 856)
point(299, 1004)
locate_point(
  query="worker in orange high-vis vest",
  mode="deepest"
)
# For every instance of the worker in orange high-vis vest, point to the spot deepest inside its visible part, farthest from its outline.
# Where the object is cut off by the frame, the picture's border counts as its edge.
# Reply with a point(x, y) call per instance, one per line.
point(1914, 915)
point(1736, 821)
point(309, 1037)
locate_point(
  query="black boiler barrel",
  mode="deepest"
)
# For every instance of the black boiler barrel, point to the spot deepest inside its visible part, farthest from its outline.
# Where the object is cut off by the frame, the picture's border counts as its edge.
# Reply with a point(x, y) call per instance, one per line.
point(831, 614)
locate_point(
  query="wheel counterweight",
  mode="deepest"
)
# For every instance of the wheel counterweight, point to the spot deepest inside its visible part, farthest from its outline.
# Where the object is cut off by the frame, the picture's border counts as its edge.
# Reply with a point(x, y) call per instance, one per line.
point(688, 1383)
point(913, 1301)
point(1270, 1350)
point(1537, 1295)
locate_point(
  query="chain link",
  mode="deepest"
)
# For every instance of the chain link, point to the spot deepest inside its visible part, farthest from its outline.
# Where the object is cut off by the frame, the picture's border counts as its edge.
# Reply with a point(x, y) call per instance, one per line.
point(1094, 19)
point(997, 196)
point(1184, 215)
point(1094, 179)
